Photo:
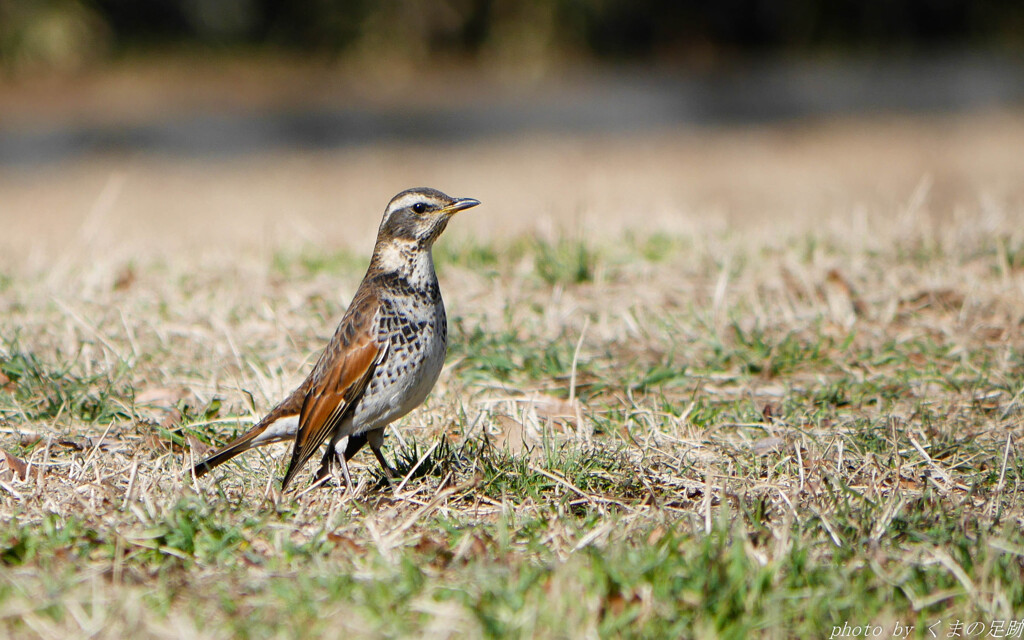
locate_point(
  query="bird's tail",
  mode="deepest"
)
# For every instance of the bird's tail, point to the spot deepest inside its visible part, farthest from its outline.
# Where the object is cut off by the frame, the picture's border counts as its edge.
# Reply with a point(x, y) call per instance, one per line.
point(273, 428)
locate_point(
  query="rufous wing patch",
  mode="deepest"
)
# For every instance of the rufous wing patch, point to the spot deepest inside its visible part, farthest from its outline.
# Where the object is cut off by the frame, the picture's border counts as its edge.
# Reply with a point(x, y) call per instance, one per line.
point(338, 380)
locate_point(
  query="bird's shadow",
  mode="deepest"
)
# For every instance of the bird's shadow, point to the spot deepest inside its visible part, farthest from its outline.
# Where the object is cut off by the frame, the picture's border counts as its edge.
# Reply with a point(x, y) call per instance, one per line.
point(412, 462)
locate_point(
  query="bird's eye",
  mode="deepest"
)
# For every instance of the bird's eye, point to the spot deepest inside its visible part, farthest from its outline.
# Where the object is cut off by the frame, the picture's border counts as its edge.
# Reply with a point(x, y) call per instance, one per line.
point(419, 207)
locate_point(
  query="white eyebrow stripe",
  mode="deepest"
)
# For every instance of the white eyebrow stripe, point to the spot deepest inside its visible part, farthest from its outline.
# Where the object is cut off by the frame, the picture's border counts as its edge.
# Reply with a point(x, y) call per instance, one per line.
point(404, 201)
point(408, 199)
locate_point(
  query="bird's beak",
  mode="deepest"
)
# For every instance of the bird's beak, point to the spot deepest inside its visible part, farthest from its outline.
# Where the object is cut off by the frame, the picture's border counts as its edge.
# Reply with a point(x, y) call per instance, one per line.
point(460, 204)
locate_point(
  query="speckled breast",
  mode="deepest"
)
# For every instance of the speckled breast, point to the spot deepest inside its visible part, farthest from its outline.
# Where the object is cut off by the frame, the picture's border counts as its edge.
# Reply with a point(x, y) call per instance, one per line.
point(416, 331)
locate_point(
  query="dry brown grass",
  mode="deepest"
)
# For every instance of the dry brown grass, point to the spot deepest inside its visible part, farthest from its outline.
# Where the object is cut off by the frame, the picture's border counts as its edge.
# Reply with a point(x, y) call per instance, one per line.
point(787, 397)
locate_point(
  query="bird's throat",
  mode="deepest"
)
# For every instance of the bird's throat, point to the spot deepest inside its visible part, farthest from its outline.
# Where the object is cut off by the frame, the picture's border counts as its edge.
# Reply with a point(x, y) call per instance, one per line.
point(408, 263)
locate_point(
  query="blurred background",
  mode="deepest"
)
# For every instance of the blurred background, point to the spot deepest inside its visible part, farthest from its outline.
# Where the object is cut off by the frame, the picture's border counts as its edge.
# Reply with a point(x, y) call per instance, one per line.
point(186, 113)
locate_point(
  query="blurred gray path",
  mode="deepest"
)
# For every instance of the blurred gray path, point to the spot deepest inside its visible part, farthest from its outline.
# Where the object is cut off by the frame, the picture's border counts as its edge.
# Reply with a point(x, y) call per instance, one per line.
point(615, 101)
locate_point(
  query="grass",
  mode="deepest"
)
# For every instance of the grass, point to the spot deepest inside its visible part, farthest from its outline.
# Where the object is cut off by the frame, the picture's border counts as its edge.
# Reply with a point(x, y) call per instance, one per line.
point(670, 436)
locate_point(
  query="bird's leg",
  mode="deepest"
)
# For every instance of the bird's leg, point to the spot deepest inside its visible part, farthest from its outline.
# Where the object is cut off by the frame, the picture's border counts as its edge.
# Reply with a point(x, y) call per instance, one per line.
point(376, 439)
point(325, 464)
point(352, 446)
point(344, 472)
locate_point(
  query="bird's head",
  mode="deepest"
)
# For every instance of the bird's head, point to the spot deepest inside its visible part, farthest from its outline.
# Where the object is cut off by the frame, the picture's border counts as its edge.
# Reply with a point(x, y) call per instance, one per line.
point(419, 216)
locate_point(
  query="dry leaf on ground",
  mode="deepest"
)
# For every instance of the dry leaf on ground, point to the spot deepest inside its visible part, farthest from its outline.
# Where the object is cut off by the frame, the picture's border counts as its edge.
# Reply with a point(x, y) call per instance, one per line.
point(13, 464)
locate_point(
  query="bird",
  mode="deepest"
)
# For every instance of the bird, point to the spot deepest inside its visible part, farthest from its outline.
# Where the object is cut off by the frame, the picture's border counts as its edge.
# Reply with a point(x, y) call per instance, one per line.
point(382, 360)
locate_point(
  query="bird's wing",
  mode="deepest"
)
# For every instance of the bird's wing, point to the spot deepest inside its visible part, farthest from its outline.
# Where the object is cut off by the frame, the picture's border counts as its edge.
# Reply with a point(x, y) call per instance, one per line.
point(338, 379)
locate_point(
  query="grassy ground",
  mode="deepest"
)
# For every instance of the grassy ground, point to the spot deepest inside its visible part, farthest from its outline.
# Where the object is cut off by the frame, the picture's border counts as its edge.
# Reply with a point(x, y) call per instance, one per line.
point(738, 426)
